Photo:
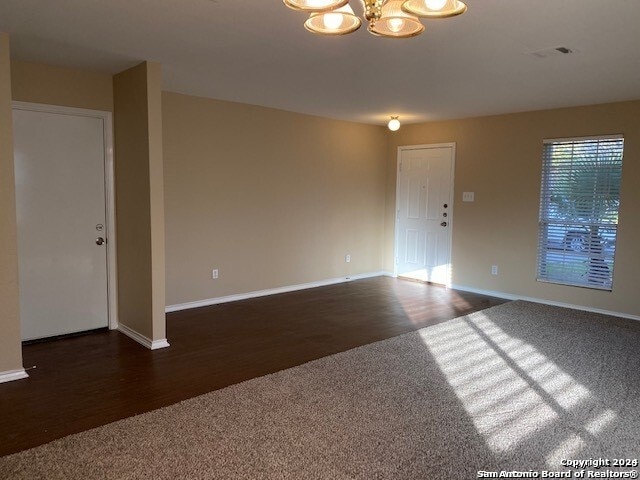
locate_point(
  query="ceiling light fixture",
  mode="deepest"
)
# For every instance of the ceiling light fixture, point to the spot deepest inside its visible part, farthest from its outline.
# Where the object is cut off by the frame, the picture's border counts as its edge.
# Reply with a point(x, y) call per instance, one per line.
point(333, 22)
point(394, 124)
point(396, 23)
point(315, 5)
point(386, 18)
point(434, 8)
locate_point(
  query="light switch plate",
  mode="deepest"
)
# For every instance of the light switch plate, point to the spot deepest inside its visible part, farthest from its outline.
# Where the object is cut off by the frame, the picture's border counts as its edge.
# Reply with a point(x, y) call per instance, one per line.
point(468, 196)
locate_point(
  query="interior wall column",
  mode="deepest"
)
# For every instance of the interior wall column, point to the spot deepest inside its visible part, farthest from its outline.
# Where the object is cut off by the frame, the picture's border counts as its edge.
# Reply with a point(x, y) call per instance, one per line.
point(140, 203)
point(10, 339)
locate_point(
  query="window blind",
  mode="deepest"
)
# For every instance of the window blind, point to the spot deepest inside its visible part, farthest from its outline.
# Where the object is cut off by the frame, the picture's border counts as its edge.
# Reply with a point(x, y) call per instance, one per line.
point(579, 205)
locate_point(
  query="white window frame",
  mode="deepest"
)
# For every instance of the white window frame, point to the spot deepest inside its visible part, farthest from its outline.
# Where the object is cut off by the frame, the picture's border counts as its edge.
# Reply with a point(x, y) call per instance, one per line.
point(555, 229)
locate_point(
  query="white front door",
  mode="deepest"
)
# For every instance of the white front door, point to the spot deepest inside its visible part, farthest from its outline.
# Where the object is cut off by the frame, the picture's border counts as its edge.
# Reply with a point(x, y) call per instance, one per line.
point(424, 213)
point(60, 205)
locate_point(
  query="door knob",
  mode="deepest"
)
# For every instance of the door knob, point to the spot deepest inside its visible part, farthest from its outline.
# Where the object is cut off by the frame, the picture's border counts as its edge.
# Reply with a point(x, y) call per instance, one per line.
point(99, 241)
point(443, 224)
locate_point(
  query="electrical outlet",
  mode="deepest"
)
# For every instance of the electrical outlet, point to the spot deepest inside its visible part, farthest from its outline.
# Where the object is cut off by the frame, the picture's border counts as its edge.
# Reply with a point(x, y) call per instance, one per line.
point(347, 258)
point(494, 269)
point(214, 273)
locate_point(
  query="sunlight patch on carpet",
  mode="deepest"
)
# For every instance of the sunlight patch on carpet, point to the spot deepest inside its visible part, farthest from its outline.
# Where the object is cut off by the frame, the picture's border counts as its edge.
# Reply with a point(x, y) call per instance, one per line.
point(509, 388)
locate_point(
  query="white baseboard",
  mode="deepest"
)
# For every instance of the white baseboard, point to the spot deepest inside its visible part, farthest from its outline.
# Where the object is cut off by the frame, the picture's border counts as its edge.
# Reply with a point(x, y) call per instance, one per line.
point(270, 291)
point(509, 296)
point(141, 339)
point(389, 274)
point(12, 375)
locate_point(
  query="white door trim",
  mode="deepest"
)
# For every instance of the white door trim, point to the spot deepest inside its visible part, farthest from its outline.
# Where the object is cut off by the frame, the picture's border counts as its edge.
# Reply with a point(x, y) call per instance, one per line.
point(401, 149)
point(107, 118)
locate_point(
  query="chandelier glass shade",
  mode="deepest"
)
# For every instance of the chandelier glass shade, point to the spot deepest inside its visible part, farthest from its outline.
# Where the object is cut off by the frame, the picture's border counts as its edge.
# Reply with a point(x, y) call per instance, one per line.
point(334, 22)
point(434, 8)
point(396, 23)
point(386, 18)
point(315, 5)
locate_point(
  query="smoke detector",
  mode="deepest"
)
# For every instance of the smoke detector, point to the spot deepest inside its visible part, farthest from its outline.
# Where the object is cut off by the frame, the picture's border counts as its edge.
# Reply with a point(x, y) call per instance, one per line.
point(552, 52)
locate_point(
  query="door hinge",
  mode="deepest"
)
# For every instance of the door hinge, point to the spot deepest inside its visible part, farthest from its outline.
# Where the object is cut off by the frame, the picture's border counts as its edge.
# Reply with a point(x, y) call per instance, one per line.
point(400, 167)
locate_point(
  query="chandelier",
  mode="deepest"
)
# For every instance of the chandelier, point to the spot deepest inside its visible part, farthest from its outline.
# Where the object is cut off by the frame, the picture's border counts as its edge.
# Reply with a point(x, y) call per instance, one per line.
point(386, 18)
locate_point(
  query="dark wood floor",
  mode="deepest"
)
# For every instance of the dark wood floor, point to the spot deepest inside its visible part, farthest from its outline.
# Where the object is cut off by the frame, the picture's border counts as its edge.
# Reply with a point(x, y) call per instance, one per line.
point(92, 380)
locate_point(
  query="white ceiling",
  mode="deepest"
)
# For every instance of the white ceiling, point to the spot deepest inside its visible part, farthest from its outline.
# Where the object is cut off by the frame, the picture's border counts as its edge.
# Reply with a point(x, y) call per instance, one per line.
point(257, 52)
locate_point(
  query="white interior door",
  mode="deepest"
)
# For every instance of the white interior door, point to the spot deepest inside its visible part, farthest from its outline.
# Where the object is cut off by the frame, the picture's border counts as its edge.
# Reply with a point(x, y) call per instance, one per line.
point(424, 214)
point(61, 213)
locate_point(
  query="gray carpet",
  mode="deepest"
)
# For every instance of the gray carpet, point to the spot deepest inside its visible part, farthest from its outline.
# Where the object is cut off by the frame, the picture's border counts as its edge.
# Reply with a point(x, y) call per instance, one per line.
point(516, 387)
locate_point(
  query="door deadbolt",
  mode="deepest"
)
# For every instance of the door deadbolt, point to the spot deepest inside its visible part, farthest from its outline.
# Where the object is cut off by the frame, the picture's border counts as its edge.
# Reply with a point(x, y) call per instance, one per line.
point(99, 241)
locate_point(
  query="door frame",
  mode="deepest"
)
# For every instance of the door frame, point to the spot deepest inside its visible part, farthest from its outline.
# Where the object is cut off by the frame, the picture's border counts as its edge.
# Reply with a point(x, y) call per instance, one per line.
point(401, 149)
point(109, 184)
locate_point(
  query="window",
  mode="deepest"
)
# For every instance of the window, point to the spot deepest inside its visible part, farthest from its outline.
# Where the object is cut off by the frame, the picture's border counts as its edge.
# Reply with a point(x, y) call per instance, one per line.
point(579, 211)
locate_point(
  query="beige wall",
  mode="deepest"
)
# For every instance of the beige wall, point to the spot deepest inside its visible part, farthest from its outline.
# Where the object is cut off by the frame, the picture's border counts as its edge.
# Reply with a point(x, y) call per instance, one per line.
point(10, 339)
point(140, 199)
point(270, 198)
point(38, 83)
point(499, 158)
point(274, 198)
